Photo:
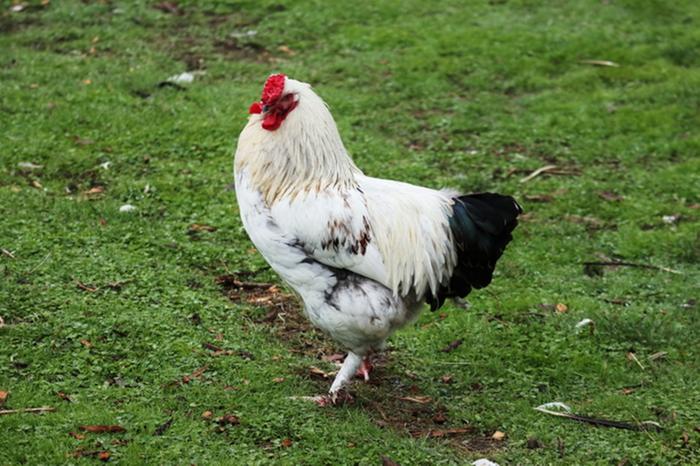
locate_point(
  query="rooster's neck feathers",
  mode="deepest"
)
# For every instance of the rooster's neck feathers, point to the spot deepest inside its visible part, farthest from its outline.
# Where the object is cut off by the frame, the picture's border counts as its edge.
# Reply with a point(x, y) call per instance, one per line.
point(304, 155)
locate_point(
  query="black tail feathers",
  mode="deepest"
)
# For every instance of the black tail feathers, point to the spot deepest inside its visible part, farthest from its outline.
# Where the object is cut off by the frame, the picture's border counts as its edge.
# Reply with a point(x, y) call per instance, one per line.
point(481, 225)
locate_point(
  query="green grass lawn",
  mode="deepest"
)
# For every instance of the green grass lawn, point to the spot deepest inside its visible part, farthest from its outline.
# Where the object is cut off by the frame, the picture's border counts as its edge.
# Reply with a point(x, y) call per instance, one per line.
point(116, 318)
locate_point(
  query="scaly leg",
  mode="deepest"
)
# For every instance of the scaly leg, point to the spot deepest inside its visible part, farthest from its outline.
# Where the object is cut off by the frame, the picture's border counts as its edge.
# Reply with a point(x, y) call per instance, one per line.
point(350, 366)
point(365, 368)
point(347, 371)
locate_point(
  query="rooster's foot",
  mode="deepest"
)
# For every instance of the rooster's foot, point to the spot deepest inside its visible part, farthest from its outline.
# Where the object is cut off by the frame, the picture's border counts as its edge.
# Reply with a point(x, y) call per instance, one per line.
point(339, 398)
point(365, 369)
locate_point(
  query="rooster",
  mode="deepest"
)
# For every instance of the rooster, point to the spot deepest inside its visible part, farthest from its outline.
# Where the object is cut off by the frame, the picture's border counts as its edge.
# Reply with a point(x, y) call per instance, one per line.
point(363, 253)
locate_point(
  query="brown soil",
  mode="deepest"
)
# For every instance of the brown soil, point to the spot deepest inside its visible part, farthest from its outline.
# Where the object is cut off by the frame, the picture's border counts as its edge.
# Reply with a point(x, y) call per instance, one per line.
point(390, 400)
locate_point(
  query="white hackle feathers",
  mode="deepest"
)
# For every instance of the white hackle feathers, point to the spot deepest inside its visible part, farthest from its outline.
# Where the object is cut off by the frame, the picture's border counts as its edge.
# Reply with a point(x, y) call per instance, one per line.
point(305, 154)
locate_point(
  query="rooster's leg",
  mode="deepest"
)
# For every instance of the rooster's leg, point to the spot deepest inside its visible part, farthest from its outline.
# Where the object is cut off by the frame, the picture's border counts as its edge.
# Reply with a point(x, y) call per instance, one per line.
point(350, 366)
point(365, 368)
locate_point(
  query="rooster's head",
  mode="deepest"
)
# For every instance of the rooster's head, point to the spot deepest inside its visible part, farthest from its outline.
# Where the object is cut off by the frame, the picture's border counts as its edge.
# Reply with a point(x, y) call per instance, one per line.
point(275, 104)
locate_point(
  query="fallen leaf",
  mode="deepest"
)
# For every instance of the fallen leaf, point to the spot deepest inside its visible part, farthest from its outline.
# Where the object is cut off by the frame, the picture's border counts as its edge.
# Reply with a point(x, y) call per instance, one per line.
point(671, 219)
point(196, 227)
point(436, 433)
point(446, 378)
point(206, 415)
point(452, 346)
point(77, 436)
point(3, 397)
point(628, 390)
point(585, 323)
point(610, 196)
point(484, 462)
point(659, 355)
point(534, 443)
point(313, 370)
point(286, 443)
point(685, 438)
point(386, 461)
point(182, 78)
point(103, 455)
point(633, 357)
point(498, 435)
point(160, 430)
point(287, 50)
point(36, 184)
point(29, 166)
point(537, 172)
point(440, 418)
point(337, 357)
point(228, 419)
point(94, 190)
point(278, 379)
point(83, 141)
point(85, 287)
point(539, 197)
point(561, 308)
point(167, 7)
point(421, 399)
point(600, 63)
point(86, 343)
point(65, 397)
point(689, 304)
point(87, 82)
point(212, 347)
point(42, 409)
point(194, 375)
point(590, 222)
point(102, 428)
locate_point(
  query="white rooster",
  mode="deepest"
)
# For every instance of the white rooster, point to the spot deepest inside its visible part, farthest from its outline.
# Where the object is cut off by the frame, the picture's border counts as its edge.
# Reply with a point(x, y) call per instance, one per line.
point(362, 253)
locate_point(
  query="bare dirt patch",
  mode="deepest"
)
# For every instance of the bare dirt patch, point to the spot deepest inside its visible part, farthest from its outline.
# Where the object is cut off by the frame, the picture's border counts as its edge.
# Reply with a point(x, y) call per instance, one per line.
point(281, 311)
point(395, 402)
point(231, 47)
point(391, 401)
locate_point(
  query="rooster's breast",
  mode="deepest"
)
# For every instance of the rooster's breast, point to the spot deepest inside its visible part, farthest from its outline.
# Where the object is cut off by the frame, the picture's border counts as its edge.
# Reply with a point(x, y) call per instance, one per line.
point(357, 311)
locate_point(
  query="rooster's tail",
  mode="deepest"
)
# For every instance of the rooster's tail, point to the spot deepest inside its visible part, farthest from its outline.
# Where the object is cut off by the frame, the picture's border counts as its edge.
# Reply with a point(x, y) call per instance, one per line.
point(481, 225)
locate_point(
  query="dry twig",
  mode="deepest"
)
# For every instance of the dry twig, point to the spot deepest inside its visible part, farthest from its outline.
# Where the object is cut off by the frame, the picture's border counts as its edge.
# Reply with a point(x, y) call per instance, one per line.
point(629, 264)
point(43, 409)
point(551, 170)
point(566, 413)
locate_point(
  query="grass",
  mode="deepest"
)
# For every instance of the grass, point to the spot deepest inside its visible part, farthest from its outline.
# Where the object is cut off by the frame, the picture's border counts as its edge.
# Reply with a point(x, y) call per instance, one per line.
point(112, 309)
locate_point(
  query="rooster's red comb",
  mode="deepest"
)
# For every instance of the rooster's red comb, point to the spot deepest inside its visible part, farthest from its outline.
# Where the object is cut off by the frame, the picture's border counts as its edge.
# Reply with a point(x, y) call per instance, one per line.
point(273, 88)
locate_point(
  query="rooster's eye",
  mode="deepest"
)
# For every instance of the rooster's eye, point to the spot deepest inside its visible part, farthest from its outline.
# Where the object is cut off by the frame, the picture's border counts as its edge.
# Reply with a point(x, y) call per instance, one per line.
point(266, 108)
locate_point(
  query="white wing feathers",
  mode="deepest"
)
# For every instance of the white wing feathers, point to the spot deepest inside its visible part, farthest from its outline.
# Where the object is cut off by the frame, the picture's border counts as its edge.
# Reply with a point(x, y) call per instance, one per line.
point(412, 232)
point(394, 233)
